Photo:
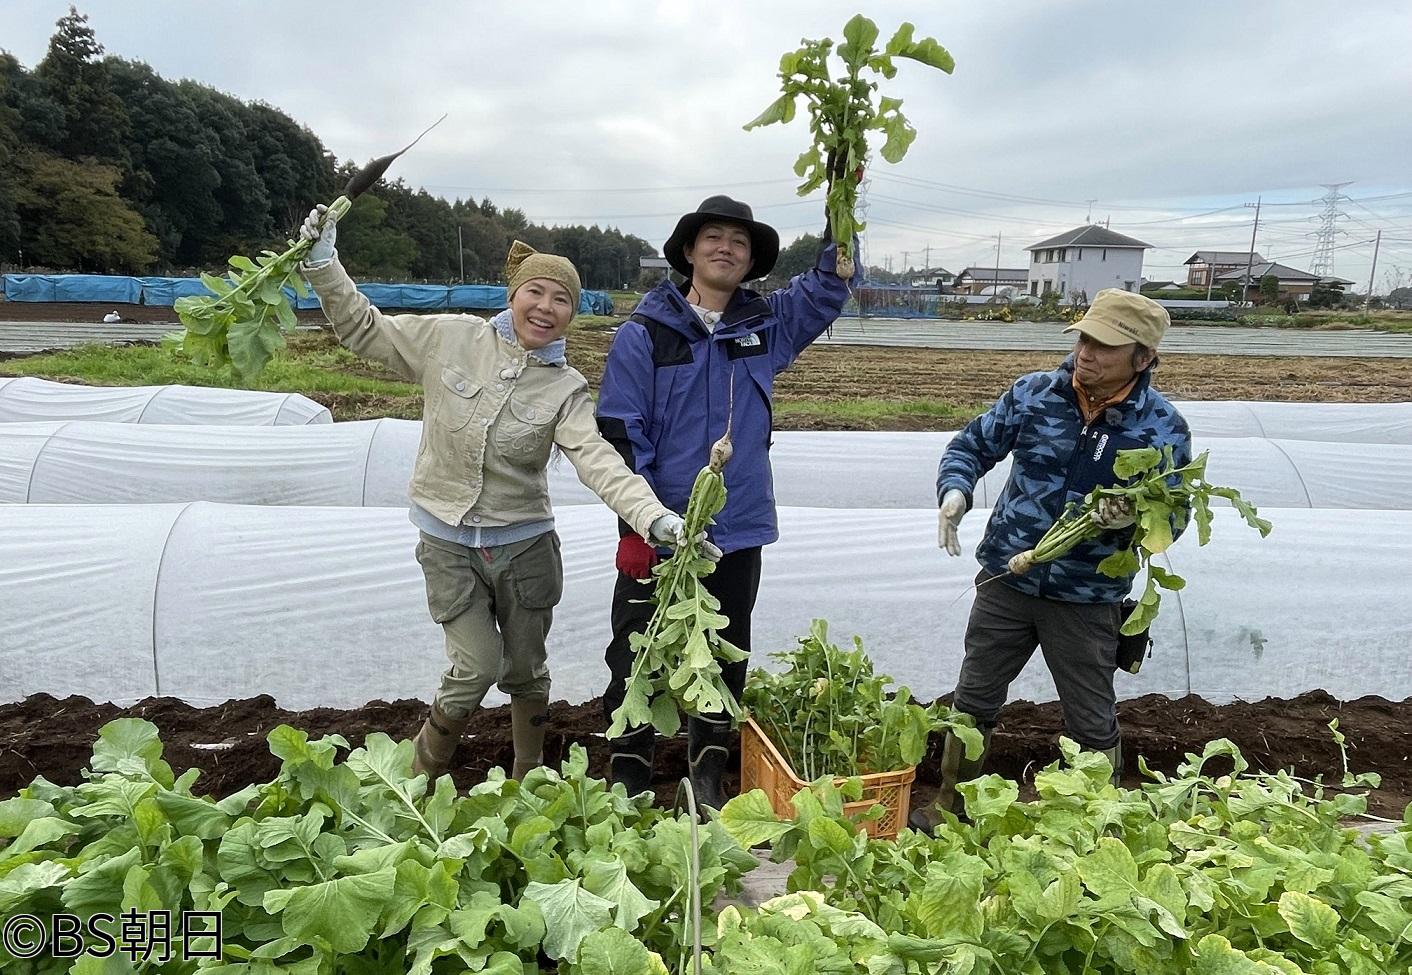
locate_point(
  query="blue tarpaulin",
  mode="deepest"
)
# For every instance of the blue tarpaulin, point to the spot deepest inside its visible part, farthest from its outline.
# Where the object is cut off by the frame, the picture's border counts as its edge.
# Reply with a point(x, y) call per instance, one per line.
point(481, 297)
point(429, 297)
point(115, 289)
point(165, 291)
point(106, 288)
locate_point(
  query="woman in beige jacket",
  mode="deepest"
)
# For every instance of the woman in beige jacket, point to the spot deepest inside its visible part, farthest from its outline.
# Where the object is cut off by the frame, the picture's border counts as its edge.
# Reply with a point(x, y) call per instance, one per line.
point(499, 397)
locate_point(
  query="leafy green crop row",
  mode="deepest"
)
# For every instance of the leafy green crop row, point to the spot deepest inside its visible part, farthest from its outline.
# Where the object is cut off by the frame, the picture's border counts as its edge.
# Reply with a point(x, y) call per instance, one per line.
point(1199, 873)
point(352, 866)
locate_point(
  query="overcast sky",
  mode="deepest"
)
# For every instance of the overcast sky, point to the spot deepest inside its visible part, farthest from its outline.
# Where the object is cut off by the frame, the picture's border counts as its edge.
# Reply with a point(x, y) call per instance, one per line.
point(629, 113)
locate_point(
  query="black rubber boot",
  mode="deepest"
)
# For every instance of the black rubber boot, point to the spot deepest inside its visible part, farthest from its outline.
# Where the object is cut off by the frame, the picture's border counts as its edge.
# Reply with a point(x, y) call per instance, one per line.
point(630, 761)
point(707, 751)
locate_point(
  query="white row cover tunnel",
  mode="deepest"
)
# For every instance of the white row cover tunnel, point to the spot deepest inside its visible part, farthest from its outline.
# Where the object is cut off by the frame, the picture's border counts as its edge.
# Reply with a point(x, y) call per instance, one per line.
point(28, 399)
point(370, 462)
point(325, 606)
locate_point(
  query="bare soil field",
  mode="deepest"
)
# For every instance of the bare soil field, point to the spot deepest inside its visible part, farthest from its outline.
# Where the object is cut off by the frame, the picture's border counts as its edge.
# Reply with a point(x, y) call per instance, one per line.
point(48, 736)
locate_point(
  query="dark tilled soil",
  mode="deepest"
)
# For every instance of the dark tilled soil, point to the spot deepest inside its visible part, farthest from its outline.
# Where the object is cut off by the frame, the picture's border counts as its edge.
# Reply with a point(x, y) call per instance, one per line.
point(44, 735)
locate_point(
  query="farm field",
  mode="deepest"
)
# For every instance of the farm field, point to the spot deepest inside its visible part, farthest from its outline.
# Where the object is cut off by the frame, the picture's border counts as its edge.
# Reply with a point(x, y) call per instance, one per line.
point(53, 737)
point(829, 388)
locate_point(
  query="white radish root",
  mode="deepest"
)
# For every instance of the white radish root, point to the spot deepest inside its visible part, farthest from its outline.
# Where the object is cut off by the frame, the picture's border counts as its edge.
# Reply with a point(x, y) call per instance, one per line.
point(1022, 563)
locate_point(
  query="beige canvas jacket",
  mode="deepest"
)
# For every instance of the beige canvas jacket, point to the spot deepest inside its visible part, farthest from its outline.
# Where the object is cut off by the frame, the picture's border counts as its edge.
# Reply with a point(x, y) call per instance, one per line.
point(492, 414)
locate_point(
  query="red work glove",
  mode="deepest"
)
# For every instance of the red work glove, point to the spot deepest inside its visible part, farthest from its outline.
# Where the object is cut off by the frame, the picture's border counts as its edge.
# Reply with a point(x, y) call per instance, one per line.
point(635, 557)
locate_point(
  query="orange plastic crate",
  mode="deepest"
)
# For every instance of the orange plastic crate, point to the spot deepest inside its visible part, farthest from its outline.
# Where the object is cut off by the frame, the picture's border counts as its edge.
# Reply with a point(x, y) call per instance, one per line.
point(763, 767)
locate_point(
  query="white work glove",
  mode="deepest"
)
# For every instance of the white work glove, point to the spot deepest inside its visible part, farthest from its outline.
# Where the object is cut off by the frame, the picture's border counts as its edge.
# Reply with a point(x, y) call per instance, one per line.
point(670, 529)
point(322, 232)
point(1114, 513)
point(948, 516)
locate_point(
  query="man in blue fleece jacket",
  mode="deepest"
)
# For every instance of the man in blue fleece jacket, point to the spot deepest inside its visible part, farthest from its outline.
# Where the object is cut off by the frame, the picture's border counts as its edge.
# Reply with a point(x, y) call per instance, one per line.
point(1063, 430)
point(690, 358)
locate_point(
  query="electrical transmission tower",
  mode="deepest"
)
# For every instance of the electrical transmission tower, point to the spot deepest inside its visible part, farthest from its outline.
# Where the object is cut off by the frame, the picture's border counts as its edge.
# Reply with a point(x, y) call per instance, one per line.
point(1323, 263)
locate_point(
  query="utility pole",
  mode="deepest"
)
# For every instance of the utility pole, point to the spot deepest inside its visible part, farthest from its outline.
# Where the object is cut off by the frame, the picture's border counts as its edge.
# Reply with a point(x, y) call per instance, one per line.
point(1250, 258)
point(1369, 296)
point(996, 282)
point(927, 257)
point(1088, 218)
point(906, 266)
point(461, 250)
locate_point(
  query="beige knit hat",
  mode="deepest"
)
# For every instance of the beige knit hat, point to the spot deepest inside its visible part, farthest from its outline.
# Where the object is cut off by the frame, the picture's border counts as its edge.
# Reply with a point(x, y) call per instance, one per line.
point(525, 263)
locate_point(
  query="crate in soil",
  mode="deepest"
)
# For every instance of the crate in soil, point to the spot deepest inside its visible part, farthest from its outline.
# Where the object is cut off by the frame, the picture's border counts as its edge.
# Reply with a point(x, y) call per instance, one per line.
point(763, 767)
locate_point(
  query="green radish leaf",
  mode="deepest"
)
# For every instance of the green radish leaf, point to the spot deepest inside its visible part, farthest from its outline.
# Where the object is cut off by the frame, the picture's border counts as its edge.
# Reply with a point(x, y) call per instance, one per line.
point(342, 912)
point(1201, 509)
point(859, 34)
point(929, 52)
point(807, 161)
point(571, 914)
point(616, 952)
point(779, 110)
point(17, 813)
point(902, 40)
point(1123, 562)
point(899, 138)
point(1165, 579)
point(1309, 919)
point(217, 285)
point(609, 880)
point(40, 833)
point(200, 818)
point(1154, 529)
point(989, 795)
point(751, 821)
point(1130, 463)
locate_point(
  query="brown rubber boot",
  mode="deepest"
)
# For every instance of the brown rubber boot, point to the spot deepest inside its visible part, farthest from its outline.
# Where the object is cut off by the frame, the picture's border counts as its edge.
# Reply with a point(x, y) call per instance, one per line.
point(955, 769)
point(528, 719)
point(436, 743)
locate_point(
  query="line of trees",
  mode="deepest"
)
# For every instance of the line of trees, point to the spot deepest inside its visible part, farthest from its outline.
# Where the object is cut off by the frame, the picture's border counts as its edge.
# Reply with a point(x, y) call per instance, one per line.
point(106, 167)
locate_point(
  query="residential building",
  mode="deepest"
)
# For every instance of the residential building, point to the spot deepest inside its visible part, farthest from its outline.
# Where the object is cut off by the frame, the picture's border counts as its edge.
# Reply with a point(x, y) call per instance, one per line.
point(985, 280)
point(1293, 283)
point(931, 277)
point(1081, 262)
point(1160, 286)
point(1203, 264)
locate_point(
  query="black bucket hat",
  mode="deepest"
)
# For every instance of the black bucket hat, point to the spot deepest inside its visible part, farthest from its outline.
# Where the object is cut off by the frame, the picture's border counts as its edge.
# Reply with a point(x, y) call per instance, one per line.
point(764, 241)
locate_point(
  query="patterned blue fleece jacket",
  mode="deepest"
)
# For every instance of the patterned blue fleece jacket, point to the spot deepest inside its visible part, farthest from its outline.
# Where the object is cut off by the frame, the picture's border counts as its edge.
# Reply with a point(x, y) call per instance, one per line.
point(1057, 458)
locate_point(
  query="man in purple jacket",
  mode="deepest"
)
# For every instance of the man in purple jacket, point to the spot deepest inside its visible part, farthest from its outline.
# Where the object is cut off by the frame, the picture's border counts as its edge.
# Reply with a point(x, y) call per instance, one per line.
point(667, 390)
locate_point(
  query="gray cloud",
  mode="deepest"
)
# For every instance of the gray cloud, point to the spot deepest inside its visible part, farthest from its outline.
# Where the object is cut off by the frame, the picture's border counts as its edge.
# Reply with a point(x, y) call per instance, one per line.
point(604, 113)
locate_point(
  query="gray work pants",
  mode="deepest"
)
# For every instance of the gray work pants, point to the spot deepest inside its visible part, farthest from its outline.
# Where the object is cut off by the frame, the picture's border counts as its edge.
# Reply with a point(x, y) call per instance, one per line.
point(1080, 644)
point(495, 605)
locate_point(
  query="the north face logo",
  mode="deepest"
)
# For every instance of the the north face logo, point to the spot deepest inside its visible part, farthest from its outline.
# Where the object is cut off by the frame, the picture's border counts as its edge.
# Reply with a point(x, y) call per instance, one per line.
point(747, 341)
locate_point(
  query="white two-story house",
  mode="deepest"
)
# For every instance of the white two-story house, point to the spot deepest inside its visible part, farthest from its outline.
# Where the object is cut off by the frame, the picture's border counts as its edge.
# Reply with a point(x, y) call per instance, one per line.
point(1081, 262)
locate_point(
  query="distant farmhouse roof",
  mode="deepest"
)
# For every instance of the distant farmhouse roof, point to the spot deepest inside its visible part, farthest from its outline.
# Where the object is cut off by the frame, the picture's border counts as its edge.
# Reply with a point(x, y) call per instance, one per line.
point(930, 272)
point(1159, 285)
point(1223, 257)
point(1089, 236)
point(1282, 272)
point(989, 273)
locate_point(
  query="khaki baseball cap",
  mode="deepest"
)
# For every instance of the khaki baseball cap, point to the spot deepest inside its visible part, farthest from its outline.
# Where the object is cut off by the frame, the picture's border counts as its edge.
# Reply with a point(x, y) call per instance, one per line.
point(1118, 317)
